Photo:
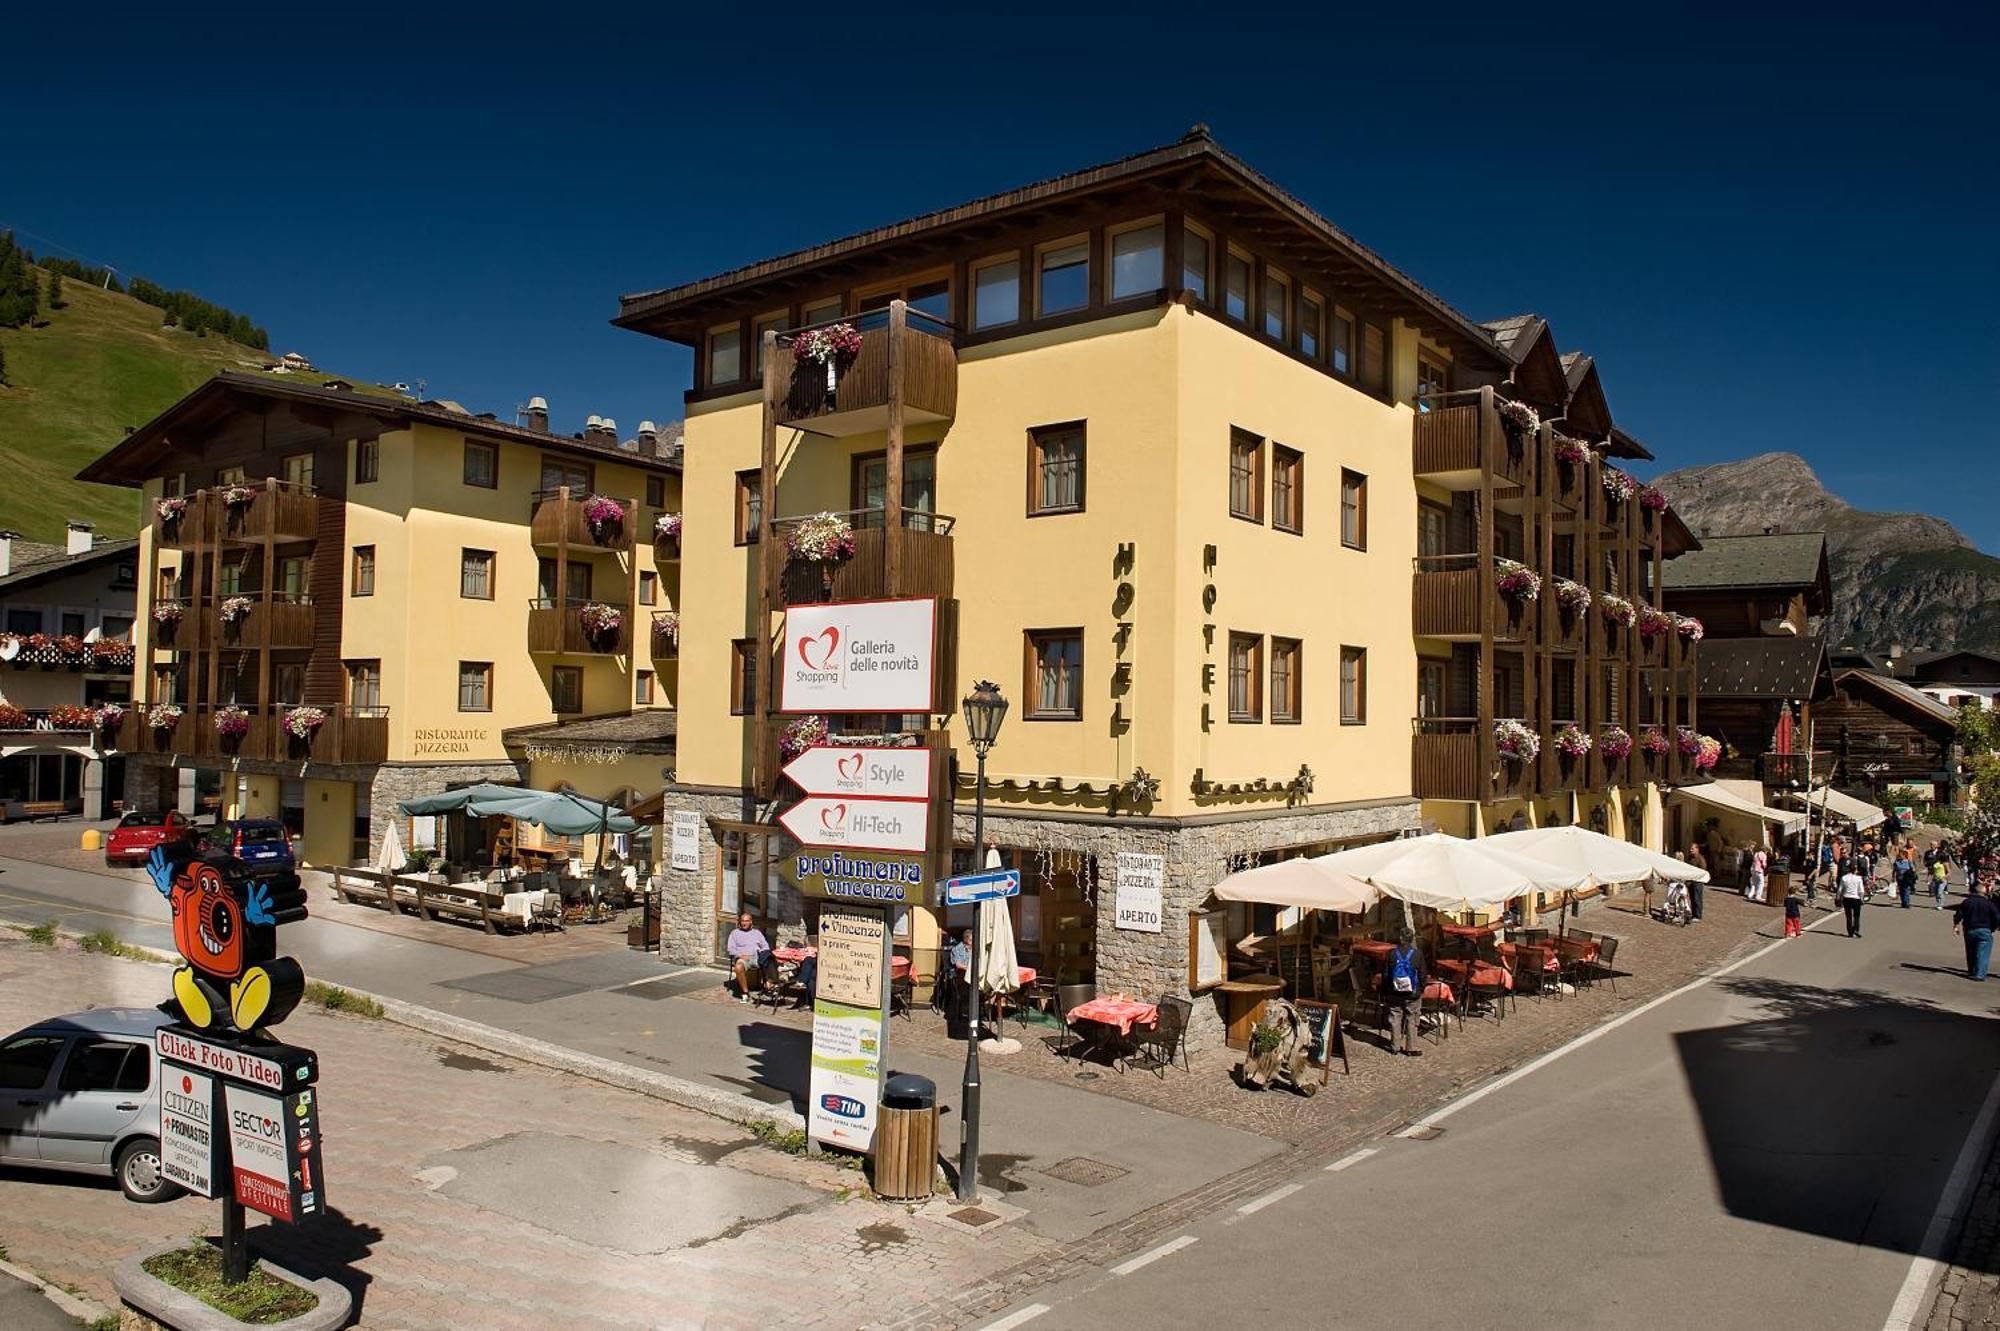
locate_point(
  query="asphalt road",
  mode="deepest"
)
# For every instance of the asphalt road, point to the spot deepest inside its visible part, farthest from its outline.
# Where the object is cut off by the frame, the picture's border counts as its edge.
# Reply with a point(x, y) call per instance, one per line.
point(1768, 1149)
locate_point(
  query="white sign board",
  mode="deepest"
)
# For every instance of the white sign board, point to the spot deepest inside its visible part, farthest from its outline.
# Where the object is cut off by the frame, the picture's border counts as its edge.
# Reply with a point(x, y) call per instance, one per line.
point(1141, 881)
point(859, 656)
point(687, 839)
point(187, 1128)
point(257, 1149)
point(850, 1025)
point(860, 824)
point(836, 769)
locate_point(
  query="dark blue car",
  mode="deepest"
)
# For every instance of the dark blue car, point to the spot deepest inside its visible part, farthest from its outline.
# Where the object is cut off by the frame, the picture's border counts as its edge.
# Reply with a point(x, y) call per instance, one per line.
point(262, 843)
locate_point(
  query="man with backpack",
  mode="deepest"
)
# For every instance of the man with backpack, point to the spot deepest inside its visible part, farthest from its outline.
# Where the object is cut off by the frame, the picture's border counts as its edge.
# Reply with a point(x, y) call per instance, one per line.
point(1403, 994)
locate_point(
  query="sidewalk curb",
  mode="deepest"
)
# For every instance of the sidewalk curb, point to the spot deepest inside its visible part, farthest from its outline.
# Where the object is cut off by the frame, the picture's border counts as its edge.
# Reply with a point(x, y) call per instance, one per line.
point(73, 1305)
point(659, 1085)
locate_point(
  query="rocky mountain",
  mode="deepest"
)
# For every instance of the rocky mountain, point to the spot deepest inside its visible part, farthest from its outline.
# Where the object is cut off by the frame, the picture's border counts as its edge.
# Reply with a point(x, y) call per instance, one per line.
point(1906, 578)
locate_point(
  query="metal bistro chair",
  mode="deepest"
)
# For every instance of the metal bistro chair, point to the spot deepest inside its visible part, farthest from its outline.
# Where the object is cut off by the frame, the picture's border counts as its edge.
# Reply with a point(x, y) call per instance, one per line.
point(1480, 981)
point(1167, 1035)
point(1368, 1011)
point(1068, 998)
point(1435, 1011)
point(1607, 960)
point(1531, 967)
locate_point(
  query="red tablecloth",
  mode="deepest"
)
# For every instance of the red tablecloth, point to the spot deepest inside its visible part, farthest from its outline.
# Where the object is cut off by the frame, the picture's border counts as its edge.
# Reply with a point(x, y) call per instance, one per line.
point(1586, 949)
point(1472, 930)
point(1479, 973)
point(1543, 950)
point(1111, 1012)
point(1438, 991)
point(1371, 947)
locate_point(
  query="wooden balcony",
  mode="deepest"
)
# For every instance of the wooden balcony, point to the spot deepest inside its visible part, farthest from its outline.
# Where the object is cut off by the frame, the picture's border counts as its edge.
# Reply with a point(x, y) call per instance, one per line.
point(348, 735)
point(1446, 763)
point(1462, 434)
point(282, 621)
point(895, 345)
point(557, 627)
point(273, 510)
point(665, 636)
point(1449, 594)
point(864, 575)
point(561, 517)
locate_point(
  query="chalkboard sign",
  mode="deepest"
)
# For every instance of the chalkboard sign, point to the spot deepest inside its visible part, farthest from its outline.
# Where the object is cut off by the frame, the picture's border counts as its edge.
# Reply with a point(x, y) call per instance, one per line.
point(1324, 1042)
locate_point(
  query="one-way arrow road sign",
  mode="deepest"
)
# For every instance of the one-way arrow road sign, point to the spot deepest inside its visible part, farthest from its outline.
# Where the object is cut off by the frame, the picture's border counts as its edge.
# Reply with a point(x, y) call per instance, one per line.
point(837, 769)
point(991, 886)
point(855, 823)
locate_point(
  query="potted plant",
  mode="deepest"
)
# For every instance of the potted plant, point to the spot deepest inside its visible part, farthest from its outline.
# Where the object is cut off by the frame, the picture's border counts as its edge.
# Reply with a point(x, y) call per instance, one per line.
point(1619, 486)
point(835, 346)
point(231, 722)
point(824, 538)
point(1688, 627)
point(1653, 499)
point(302, 723)
point(1708, 752)
point(236, 498)
point(1652, 742)
point(666, 634)
point(1570, 741)
point(234, 608)
point(1515, 742)
point(71, 716)
point(1572, 598)
point(170, 510)
point(667, 534)
point(600, 624)
point(13, 718)
point(604, 516)
point(1516, 581)
point(1654, 623)
point(1615, 743)
point(800, 735)
point(1570, 454)
point(163, 717)
point(181, 1284)
point(1617, 611)
point(1518, 420)
point(107, 717)
point(1688, 741)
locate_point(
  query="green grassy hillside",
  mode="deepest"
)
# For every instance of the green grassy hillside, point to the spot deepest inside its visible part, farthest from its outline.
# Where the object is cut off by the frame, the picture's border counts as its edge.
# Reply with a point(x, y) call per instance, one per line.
point(97, 365)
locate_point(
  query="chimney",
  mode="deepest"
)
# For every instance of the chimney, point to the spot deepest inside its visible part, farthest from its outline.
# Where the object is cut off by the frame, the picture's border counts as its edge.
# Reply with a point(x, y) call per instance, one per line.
point(538, 414)
point(81, 538)
point(649, 438)
point(1895, 651)
point(7, 539)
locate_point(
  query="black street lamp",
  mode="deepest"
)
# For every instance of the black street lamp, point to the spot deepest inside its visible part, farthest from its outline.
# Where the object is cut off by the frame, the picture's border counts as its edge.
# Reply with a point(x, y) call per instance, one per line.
point(985, 708)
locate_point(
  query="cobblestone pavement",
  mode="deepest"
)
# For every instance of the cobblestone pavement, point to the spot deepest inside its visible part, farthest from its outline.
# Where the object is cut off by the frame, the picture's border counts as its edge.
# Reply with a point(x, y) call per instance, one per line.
point(1969, 1296)
point(472, 1192)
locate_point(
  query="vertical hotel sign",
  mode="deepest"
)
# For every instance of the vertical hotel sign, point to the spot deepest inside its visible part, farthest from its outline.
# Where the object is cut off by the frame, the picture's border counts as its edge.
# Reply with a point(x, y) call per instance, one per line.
point(850, 1025)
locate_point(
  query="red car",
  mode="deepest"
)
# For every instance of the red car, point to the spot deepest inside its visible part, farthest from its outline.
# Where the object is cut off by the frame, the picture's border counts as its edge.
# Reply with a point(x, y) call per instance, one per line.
point(137, 833)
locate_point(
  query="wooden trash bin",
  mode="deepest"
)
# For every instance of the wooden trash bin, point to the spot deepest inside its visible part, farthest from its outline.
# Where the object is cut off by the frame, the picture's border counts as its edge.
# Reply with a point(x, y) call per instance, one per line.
point(906, 1139)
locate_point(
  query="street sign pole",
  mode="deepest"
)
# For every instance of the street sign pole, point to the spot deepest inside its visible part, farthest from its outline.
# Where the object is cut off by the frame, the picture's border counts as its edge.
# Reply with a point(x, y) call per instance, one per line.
point(968, 1123)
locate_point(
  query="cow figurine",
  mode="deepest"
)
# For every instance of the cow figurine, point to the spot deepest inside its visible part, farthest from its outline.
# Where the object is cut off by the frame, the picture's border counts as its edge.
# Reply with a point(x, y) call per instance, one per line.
point(226, 919)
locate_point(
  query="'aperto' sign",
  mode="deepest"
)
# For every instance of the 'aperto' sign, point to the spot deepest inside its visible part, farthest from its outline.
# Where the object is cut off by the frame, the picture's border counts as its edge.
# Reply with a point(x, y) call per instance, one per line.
point(859, 656)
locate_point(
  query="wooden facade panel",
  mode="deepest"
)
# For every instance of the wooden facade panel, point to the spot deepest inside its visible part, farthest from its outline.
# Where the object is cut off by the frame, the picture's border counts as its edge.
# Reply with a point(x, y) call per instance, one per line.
point(558, 520)
point(929, 373)
point(927, 570)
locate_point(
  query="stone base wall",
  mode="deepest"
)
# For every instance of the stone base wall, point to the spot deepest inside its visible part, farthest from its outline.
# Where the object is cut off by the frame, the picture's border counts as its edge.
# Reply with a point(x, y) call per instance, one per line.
point(687, 898)
point(392, 783)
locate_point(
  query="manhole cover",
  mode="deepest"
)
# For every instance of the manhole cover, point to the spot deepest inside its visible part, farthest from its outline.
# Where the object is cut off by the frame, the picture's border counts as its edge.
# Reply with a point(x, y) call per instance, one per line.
point(972, 1215)
point(1083, 1172)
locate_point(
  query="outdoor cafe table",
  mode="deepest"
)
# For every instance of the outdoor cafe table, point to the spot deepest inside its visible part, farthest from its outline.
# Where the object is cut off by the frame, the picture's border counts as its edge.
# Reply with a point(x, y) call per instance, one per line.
point(1375, 949)
point(1123, 1013)
point(1474, 972)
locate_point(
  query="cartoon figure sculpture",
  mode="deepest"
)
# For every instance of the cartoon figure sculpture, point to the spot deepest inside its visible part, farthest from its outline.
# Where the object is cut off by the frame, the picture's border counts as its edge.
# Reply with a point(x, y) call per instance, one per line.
point(226, 920)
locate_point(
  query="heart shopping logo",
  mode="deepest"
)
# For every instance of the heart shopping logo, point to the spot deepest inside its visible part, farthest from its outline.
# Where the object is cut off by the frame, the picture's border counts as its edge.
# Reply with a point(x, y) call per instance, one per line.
point(833, 816)
point(850, 766)
point(822, 645)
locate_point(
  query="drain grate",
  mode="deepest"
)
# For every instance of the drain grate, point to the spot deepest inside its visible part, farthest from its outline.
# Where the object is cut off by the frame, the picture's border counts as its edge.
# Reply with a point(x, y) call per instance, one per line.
point(1084, 1172)
point(973, 1216)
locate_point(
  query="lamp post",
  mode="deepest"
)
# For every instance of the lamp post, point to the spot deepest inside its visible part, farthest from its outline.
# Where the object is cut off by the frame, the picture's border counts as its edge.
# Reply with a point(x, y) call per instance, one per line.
point(984, 709)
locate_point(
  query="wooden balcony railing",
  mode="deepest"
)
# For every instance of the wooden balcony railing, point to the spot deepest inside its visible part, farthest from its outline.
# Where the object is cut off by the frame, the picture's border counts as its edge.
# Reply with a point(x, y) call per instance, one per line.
point(556, 625)
point(665, 636)
point(248, 511)
point(564, 516)
point(1457, 433)
point(284, 620)
point(896, 345)
point(1447, 600)
point(864, 575)
point(347, 735)
point(1451, 759)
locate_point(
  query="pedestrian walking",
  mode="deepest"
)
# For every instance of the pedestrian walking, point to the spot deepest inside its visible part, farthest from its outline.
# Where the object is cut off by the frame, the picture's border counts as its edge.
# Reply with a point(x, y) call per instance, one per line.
point(1699, 861)
point(1853, 892)
point(1759, 862)
point(1793, 926)
point(1975, 919)
point(1940, 877)
point(1905, 870)
point(1402, 994)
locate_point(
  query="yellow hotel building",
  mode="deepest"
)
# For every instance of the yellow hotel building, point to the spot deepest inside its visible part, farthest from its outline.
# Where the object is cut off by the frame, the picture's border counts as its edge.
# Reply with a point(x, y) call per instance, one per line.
point(382, 598)
point(1221, 498)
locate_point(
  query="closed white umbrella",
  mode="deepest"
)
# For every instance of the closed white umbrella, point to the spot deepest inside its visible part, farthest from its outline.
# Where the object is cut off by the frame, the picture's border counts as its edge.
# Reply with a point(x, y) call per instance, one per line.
point(1306, 883)
point(1605, 859)
point(390, 857)
point(999, 966)
point(1450, 873)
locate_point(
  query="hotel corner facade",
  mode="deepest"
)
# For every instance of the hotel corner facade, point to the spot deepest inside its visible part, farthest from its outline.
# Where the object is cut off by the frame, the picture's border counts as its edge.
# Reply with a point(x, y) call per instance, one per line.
point(383, 598)
point(1223, 503)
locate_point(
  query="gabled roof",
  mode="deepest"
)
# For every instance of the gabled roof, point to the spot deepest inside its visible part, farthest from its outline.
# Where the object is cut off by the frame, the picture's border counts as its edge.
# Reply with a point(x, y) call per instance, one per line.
point(1895, 691)
point(1777, 561)
point(135, 458)
point(1985, 667)
point(1589, 412)
point(1515, 333)
point(645, 730)
point(35, 562)
point(1774, 668)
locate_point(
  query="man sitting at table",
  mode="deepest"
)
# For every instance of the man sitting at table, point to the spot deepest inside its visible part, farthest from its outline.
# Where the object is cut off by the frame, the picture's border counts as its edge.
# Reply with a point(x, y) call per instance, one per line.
point(749, 951)
point(1402, 994)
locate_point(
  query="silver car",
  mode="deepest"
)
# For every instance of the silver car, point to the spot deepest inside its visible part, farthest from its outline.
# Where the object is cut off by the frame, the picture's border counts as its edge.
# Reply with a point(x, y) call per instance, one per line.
point(82, 1093)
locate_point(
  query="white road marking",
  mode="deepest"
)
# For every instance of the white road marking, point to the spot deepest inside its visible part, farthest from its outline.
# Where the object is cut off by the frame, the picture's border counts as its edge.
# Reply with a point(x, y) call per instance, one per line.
point(1527, 1069)
point(1020, 1318)
point(1910, 1305)
point(1167, 1249)
point(1348, 1161)
point(1251, 1208)
point(654, 979)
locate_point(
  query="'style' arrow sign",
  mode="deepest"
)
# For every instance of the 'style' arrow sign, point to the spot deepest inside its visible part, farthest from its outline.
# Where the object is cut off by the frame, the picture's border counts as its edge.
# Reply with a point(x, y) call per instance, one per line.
point(833, 769)
point(859, 823)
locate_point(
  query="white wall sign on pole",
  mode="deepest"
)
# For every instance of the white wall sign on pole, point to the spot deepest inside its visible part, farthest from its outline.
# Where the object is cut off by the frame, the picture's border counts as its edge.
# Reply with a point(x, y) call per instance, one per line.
point(859, 656)
point(187, 1128)
point(850, 1025)
point(1141, 883)
point(837, 769)
point(860, 824)
point(686, 839)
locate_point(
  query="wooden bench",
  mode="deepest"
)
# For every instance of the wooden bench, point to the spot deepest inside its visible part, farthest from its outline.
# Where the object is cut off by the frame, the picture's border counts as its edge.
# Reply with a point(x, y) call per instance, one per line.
point(406, 894)
point(350, 885)
point(35, 810)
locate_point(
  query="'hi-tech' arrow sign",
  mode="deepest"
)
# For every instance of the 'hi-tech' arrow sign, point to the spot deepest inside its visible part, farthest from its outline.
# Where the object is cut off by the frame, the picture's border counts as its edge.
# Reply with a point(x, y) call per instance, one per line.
point(835, 769)
point(858, 823)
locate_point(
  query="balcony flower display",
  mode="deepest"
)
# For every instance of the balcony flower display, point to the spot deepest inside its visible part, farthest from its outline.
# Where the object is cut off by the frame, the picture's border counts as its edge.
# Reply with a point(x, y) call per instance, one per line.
point(1571, 452)
point(1652, 741)
point(111, 652)
point(163, 717)
point(170, 509)
point(107, 717)
point(666, 630)
point(1573, 597)
point(232, 722)
point(604, 516)
point(1619, 485)
point(1571, 742)
point(1515, 742)
point(1687, 740)
point(834, 346)
point(235, 608)
point(71, 716)
point(1708, 752)
point(168, 612)
point(824, 538)
point(1615, 743)
point(13, 718)
point(1653, 622)
point(600, 621)
point(1652, 499)
point(304, 722)
point(1516, 581)
point(667, 527)
point(801, 735)
point(238, 496)
point(1519, 417)
point(1617, 610)
point(1688, 627)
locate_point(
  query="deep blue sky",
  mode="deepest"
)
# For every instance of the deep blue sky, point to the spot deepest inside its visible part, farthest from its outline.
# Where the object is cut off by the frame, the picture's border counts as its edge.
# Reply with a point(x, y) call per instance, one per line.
point(1774, 231)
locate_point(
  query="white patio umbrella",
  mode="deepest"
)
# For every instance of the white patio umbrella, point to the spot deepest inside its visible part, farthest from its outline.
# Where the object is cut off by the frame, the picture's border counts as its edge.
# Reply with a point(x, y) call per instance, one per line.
point(390, 857)
point(999, 966)
point(1306, 883)
point(1605, 859)
point(1450, 873)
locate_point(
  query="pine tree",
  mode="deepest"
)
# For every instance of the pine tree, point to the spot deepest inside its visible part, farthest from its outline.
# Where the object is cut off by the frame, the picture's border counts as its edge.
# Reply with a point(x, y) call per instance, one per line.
point(55, 291)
